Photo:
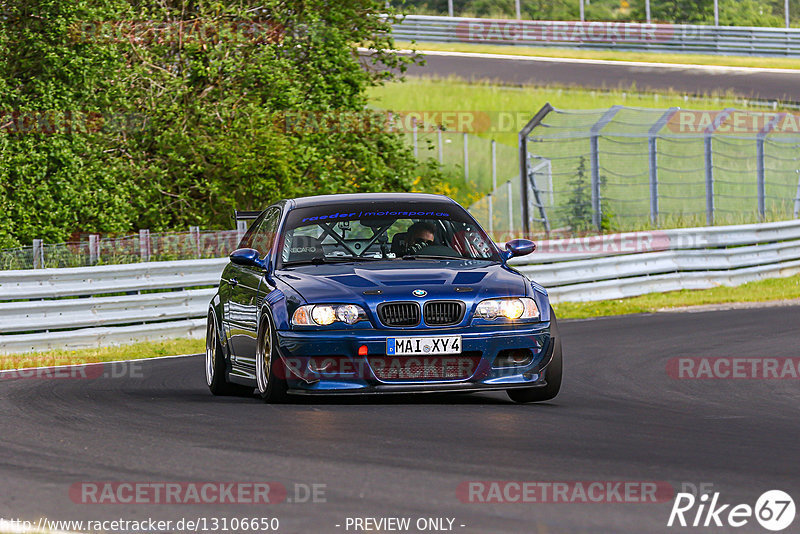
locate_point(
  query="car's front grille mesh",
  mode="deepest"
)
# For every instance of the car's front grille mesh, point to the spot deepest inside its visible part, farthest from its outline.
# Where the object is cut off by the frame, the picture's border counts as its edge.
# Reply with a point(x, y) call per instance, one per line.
point(399, 313)
point(444, 312)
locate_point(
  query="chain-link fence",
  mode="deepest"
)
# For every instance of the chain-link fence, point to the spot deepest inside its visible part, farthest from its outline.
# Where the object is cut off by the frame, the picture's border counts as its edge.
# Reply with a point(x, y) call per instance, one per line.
point(626, 168)
point(96, 250)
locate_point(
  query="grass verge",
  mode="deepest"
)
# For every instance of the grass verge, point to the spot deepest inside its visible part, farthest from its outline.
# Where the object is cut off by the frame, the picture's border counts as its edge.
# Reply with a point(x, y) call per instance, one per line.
point(149, 349)
point(608, 55)
point(771, 289)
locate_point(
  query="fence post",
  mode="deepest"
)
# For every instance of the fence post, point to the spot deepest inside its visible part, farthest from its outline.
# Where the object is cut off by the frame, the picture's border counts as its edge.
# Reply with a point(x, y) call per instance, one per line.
point(522, 148)
point(653, 157)
point(441, 148)
point(761, 168)
point(195, 232)
point(449, 8)
point(414, 135)
point(241, 229)
point(709, 165)
point(494, 165)
point(94, 248)
point(466, 158)
point(797, 197)
point(38, 254)
point(597, 216)
point(144, 245)
point(510, 210)
point(709, 162)
point(491, 216)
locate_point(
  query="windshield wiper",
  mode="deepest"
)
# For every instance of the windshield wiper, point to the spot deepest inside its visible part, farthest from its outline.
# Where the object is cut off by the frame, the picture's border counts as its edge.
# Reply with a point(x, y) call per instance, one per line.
point(430, 257)
point(329, 259)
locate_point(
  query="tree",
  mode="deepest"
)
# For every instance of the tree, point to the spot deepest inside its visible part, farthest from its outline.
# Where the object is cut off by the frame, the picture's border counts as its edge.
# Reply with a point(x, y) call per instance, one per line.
point(210, 85)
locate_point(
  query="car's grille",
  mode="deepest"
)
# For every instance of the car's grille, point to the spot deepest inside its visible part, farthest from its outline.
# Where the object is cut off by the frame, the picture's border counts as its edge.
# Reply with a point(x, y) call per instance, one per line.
point(399, 313)
point(444, 312)
point(445, 367)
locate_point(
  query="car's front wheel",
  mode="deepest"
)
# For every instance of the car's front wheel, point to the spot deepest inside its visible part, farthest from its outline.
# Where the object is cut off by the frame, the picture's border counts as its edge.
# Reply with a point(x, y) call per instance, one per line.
point(552, 373)
point(269, 376)
point(215, 364)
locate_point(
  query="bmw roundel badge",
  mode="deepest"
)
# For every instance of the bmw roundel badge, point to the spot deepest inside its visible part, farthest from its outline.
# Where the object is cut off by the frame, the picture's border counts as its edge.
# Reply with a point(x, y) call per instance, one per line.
point(420, 292)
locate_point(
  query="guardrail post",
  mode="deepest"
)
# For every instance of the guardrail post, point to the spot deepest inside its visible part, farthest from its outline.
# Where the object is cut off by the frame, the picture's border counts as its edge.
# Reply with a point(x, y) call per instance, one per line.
point(144, 245)
point(195, 233)
point(38, 254)
point(449, 8)
point(441, 148)
point(94, 248)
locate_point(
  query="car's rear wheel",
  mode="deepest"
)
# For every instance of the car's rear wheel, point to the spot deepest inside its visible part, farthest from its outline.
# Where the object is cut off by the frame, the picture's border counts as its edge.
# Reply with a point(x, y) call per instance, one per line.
point(215, 364)
point(552, 373)
point(269, 376)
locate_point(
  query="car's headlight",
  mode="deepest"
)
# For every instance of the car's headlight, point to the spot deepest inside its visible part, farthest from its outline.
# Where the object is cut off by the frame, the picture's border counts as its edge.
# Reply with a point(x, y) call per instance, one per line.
point(508, 308)
point(325, 314)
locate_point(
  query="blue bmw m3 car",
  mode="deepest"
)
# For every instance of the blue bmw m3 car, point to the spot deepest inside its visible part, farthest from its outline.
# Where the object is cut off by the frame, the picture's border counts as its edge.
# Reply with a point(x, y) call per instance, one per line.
point(378, 293)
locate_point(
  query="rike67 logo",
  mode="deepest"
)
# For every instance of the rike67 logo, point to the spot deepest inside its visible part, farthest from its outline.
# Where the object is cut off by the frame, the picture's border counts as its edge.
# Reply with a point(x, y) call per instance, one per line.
point(774, 510)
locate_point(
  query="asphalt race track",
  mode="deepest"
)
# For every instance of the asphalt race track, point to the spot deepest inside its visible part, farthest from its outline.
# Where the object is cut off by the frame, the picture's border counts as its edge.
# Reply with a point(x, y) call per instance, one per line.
point(766, 84)
point(619, 417)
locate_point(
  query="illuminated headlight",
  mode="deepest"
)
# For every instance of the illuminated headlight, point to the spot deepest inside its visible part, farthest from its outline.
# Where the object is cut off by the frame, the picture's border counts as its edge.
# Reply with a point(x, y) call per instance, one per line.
point(325, 314)
point(509, 308)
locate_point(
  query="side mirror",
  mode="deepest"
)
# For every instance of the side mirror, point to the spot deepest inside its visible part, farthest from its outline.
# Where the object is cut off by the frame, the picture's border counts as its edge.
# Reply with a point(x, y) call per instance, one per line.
point(518, 247)
point(248, 257)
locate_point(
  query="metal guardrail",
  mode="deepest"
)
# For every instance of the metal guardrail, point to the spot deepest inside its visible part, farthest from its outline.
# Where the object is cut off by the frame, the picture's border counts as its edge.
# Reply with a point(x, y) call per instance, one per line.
point(39, 309)
point(603, 35)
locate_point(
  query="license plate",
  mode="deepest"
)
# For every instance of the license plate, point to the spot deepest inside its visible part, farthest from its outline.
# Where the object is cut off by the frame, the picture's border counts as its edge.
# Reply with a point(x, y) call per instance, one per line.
point(407, 346)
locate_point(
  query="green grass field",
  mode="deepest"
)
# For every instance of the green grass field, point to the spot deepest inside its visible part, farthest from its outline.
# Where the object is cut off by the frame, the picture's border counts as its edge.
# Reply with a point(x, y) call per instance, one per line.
point(502, 111)
point(610, 55)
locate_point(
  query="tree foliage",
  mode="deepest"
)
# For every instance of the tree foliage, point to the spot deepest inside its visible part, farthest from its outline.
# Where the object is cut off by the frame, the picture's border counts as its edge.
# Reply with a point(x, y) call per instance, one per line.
point(173, 113)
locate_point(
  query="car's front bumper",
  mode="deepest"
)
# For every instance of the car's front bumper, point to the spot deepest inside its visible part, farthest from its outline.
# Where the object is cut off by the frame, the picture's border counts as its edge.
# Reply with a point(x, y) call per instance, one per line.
point(328, 362)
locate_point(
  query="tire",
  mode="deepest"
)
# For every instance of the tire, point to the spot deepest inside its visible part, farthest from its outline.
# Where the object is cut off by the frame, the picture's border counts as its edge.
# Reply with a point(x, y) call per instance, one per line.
point(215, 364)
point(553, 373)
point(269, 376)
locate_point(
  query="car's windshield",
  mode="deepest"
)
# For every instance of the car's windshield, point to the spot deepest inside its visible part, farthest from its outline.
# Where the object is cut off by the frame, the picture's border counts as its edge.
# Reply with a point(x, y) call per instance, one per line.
point(377, 231)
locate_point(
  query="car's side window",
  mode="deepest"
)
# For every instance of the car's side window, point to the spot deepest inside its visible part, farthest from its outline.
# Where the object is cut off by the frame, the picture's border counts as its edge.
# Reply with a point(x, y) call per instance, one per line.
point(264, 235)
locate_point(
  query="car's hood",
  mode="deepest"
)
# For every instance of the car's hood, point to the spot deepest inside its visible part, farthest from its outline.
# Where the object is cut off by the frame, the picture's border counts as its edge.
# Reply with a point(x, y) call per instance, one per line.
point(396, 280)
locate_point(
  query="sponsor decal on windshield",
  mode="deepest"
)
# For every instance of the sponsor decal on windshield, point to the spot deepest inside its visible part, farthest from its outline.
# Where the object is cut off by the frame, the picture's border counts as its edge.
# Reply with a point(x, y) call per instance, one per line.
point(337, 215)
